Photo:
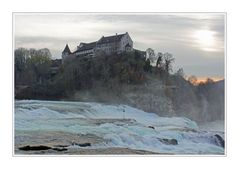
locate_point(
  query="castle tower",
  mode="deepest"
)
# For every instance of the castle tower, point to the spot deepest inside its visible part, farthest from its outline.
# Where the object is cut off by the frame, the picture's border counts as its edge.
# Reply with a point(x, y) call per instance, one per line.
point(65, 52)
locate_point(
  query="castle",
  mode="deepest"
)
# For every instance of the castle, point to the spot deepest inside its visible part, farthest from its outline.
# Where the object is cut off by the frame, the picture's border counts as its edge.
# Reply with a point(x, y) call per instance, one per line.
point(117, 43)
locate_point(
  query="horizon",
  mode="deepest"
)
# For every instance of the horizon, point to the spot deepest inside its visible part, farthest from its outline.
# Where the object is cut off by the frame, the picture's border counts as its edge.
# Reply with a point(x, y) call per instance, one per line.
point(196, 40)
point(203, 79)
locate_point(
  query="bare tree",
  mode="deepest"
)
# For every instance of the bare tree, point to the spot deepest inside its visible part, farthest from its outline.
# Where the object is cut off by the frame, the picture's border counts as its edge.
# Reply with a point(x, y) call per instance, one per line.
point(151, 55)
point(159, 60)
point(168, 60)
point(180, 73)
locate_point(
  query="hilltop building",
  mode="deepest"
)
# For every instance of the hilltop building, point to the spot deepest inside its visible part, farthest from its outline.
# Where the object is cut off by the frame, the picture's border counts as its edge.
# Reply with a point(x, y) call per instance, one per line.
point(117, 43)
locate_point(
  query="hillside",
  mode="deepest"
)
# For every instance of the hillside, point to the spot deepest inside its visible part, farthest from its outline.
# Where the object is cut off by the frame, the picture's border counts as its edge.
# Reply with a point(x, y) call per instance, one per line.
point(200, 103)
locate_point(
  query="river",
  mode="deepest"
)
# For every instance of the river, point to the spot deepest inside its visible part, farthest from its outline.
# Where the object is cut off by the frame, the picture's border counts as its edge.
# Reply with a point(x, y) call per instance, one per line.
point(96, 128)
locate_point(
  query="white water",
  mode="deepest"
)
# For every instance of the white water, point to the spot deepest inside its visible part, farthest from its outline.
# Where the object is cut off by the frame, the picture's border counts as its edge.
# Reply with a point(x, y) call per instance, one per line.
point(118, 125)
point(217, 125)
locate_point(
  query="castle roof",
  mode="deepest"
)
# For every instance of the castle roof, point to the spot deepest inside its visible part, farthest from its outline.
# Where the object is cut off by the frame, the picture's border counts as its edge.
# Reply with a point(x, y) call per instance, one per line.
point(67, 49)
point(110, 39)
point(103, 40)
point(128, 45)
point(86, 46)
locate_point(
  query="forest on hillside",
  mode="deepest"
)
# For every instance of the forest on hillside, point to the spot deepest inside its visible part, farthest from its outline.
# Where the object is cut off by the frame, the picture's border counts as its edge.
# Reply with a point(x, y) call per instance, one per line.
point(33, 68)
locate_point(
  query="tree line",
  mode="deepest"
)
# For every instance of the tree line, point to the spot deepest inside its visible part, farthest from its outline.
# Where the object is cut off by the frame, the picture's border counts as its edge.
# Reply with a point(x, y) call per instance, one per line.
point(33, 68)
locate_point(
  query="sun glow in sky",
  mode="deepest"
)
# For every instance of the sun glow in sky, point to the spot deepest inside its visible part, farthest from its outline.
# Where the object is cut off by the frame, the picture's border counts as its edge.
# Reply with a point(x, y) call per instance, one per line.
point(196, 40)
point(206, 39)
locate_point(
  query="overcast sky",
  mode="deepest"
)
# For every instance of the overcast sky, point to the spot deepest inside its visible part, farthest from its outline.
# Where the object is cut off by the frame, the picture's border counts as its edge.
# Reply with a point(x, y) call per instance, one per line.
point(196, 40)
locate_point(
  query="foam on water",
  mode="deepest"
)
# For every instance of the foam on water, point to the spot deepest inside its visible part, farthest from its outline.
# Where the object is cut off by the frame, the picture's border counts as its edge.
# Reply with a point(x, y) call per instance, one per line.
point(129, 127)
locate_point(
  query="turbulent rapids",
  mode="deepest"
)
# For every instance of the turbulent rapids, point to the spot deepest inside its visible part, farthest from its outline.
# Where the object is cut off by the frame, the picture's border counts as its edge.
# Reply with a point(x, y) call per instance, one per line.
point(94, 128)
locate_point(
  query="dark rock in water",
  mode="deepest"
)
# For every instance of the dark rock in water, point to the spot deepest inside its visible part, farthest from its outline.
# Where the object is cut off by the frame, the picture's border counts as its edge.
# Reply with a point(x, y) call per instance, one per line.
point(40, 148)
point(62, 146)
point(168, 141)
point(82, 144)
point(152, 127)
point(34, 148)
point(220, 141)
point(59, 149)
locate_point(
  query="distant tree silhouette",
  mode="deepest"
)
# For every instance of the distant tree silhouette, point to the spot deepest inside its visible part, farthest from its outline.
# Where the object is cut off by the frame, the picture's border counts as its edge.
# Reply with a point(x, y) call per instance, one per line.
point(147, 66)
point(193, 80)
point(209, 81)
